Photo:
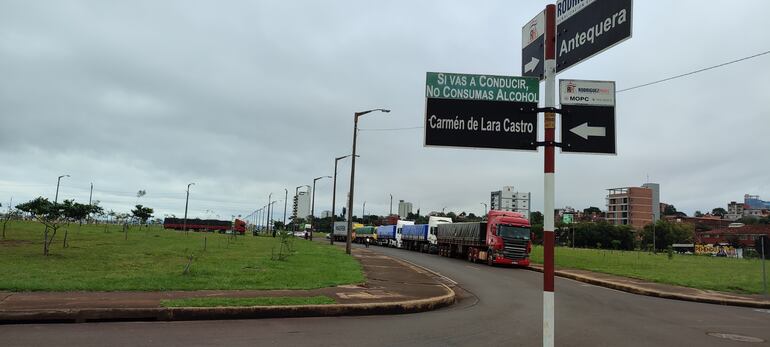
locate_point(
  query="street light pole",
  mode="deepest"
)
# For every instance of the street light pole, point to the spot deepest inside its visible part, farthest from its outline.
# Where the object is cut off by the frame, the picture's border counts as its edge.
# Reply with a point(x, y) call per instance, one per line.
point(269, 199)
point(334, 197)
point(391, 204)
point(312, 207)
point(285, 201)
point(270, 217)
point(353, 172)
point(186, 202)
point(363, 211)
point(485, 208)
point(58, 181)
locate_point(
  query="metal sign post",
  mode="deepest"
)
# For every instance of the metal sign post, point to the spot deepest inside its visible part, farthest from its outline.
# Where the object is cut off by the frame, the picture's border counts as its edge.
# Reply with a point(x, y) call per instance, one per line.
point(549, 177)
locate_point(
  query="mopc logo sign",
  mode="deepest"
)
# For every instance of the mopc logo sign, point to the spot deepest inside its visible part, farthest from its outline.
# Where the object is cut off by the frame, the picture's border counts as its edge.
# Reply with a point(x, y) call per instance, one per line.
point(595, 93)
point(570, 87)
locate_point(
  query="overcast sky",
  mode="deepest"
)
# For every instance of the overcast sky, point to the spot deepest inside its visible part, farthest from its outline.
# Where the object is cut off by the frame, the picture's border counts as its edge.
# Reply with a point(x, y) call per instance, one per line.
point(246, 98)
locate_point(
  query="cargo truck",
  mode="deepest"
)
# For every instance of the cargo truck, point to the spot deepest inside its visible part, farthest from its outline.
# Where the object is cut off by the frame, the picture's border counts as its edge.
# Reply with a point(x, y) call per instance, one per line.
point(386, 235)
point(399, 227)
point(340, 232)
point(505, 238)
point(415, 237)
point(361, 233)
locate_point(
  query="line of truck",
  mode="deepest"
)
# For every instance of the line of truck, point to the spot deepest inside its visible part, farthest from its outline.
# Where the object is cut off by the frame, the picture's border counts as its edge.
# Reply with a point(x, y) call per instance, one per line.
point(503, 238)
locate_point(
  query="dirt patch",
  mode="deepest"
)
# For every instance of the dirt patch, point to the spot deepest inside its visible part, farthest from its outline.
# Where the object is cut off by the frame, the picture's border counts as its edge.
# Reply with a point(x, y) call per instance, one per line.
point(15, 243)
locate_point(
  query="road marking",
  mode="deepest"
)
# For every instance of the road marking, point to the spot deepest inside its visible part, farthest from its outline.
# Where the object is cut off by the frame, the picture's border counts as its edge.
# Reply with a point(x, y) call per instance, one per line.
point(429, 270)
point(762, 310)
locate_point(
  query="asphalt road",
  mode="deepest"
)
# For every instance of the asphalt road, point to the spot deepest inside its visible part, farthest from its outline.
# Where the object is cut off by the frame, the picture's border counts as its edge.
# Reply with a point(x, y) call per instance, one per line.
point(499, 307)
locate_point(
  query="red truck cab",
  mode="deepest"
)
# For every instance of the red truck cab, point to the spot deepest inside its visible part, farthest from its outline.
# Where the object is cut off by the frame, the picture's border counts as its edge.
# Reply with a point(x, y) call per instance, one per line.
point(509, 238)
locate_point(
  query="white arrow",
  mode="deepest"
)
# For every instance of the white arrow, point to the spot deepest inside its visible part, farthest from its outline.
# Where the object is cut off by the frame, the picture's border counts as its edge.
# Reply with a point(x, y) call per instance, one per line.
point(531, 65)
point(584, 131)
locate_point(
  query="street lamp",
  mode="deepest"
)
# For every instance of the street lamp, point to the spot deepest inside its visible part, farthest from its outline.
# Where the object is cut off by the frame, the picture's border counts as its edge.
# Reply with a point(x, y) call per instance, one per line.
point(186, 201)
point(334, 196)
point(391, 204)
point(269, 199)
point(285, 200)
point(58, 181)
point(270, 217)
point(363, 211)
point(353, 172)
point(485, 208)
point(312, 207)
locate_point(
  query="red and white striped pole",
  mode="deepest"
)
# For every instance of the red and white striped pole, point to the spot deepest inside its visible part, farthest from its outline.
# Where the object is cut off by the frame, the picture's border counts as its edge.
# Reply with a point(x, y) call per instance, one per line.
point(549, 191)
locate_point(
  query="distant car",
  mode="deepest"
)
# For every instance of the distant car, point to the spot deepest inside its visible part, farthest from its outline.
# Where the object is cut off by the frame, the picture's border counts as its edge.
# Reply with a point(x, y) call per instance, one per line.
point(299, 233)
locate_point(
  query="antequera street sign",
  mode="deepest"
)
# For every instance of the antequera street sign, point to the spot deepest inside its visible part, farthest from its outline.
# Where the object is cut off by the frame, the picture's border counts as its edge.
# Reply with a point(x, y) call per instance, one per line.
point(481, 111)
point(588, 116)
point(585, 28)
point(533, 47)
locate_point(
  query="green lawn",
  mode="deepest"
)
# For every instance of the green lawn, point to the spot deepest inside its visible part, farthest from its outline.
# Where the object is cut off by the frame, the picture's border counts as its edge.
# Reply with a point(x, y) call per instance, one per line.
point(260, 301)
point(704, 272)
point(154, 259)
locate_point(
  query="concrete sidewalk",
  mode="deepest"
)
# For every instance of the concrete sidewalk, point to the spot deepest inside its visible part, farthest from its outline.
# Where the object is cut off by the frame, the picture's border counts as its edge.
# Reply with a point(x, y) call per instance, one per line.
point(391, 286)
point(660, 290)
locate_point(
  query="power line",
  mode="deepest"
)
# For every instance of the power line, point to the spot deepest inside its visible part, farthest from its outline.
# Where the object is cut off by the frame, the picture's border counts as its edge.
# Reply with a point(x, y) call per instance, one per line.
point(694, 72)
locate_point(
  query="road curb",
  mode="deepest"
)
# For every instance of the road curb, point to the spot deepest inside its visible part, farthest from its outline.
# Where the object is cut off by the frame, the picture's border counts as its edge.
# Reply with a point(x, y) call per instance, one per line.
point(655, 293)
point(208, 313)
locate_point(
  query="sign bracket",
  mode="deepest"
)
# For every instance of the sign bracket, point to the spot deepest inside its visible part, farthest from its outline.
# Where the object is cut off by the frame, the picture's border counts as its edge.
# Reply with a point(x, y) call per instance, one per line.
point(550, 144)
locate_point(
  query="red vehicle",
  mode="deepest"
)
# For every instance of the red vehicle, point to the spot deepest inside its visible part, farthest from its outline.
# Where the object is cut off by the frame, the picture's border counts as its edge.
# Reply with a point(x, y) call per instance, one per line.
point(505, 238)
point(239, 226)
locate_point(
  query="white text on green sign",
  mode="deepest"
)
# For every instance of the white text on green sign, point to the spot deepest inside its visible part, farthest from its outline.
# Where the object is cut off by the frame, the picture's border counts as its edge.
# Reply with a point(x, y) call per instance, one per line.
point(441, 85)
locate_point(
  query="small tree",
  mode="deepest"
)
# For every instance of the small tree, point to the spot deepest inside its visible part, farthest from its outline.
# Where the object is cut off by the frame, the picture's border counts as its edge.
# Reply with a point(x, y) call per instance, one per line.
point(698, 214)
point(142, 213)
point(48, 213)
point(74, 212)
point(11, 214)
point(719, 212)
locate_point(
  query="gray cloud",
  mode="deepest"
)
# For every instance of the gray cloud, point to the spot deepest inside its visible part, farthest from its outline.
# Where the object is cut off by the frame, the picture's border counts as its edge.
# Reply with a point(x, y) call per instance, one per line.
point(248, 98)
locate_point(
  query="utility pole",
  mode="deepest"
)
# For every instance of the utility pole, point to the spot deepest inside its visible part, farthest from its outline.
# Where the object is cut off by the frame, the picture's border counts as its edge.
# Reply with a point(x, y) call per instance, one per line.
point(391, 205)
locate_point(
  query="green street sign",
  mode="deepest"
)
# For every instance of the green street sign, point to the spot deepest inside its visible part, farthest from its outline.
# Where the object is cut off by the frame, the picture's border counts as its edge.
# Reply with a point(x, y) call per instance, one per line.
point(442, 85)
point(567, 218)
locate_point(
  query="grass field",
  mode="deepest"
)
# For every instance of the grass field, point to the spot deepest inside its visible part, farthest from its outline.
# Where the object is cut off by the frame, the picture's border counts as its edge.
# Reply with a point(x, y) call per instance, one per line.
point(154, 259)
point(704, 272)
point(261, 301)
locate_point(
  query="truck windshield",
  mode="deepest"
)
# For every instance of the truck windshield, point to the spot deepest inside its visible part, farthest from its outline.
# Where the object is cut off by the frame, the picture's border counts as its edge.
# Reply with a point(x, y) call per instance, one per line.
point(513, 232)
